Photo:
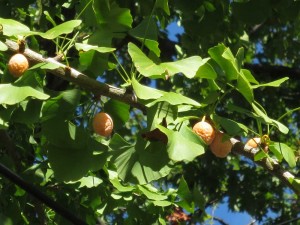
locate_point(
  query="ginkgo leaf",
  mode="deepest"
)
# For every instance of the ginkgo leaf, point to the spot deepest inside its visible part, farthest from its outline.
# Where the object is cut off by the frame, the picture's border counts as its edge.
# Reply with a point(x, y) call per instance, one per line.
point(11, 94)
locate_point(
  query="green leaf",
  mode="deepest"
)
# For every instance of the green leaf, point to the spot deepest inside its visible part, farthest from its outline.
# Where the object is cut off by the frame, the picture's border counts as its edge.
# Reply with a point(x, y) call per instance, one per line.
point(28, 112)
point(71, 157)
point(87, 47)
point(63, 105)
point(248, 75)
point(144, 92)
point(206, 70)
point(116, 18)
point(142, 162)
point(282, 128)
point(175, 99)
point(275, 83)
point(116, 183)
point(13, 28)
point(3, 47)
point(64, 28)
point(261, 114)
point(146, 32)
point(11, 94)
point(231, 127)
point(239, 58)
point(150, 194)
point(90, 182)
point(287, 153)
point(275, 149)
point(119, 112)
point(186, 196)
point(163, 4)
point(142, 63)
point(225, 59)
point(243, 11)
point(243, 86)
point(188, 66)
point(182, 145)
point(45, 66)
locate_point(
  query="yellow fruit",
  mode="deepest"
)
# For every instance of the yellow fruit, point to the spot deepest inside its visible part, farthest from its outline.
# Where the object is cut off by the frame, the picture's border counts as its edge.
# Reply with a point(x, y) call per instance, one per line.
point(253, 142)
point(18, 64)
point(205, 131)
point(103, 124)
point(220, 147)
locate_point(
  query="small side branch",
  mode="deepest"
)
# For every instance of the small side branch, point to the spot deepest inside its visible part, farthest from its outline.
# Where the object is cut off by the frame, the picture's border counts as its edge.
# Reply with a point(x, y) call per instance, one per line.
point(273, 167)
point(79, 78)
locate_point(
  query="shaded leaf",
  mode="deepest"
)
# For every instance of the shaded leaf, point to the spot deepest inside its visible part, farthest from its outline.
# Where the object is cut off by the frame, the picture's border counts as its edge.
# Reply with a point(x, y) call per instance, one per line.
point(146, 32)
point(142, 162)
point(231, 127)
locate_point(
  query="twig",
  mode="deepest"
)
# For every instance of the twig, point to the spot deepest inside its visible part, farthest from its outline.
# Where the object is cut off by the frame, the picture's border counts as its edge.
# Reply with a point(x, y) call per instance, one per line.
point(222, 222)
point(79, 78)
point(10, 175)
point(275, 168)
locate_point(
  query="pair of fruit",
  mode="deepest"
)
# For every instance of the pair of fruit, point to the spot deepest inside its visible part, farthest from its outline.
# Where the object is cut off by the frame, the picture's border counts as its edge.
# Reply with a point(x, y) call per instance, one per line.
point(219, 146)
point(102, 122)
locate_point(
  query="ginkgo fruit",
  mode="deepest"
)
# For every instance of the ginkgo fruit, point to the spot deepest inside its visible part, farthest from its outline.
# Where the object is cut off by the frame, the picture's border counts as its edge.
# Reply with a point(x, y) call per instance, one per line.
point(220, 147)
point(205, 131)
point(18, 64)
point(103, 124)
point(253, 142)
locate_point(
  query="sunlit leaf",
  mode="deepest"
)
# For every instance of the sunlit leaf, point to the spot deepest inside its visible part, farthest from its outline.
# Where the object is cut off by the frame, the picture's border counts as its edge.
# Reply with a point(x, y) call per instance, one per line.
point(142, 63)
point(225, 59)
point(154, 195)
point(87, 47)
point(275, 83)
point(144, 92)
point(244, 88)
point(175, 99)
point(11, 94)
point(3, 47)
point(287, 153)
point(64, 28)
point(182, 147)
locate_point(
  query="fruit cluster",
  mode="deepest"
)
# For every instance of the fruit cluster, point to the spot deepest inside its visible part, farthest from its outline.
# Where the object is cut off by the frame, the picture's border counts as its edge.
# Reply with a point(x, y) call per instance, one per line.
point(218, 144)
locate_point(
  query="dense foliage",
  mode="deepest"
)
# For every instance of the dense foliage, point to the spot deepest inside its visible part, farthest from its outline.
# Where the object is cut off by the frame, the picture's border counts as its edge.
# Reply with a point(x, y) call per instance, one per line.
point(236, 63)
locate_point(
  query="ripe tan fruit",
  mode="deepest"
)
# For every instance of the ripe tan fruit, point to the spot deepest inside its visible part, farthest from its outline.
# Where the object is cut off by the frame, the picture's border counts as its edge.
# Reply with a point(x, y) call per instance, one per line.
point(253, 142)
point(205, 131)
point(17, 65)
point(103, 124)
point(220, 147)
